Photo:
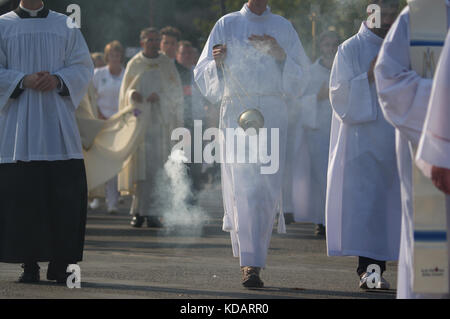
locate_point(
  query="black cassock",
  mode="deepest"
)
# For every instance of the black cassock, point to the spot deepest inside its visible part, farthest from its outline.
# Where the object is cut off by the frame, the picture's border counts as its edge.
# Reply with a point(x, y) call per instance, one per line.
point(43, 211)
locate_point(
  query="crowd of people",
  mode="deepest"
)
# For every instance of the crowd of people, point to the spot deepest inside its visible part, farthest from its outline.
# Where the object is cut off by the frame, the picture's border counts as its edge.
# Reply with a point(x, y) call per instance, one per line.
point(166, 47)
point(349, 129)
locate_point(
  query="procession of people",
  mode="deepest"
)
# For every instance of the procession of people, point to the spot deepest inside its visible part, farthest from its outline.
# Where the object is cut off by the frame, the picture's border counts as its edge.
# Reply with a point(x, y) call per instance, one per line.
point(355, 141)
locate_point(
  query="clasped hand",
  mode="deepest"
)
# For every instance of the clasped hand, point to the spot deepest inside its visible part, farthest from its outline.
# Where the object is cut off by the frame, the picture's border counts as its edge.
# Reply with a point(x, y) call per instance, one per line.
point(41, 81)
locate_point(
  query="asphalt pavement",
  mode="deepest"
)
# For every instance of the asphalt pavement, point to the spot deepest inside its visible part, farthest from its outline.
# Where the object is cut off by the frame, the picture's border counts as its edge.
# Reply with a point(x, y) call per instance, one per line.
point(125, 262)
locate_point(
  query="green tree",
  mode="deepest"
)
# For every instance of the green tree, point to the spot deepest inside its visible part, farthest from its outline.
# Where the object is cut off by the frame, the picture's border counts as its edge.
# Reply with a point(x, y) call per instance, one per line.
point(104, 21)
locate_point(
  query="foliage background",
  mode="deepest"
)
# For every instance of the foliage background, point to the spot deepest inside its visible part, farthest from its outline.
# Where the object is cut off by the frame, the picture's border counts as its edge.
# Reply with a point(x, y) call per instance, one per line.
point(105, 20)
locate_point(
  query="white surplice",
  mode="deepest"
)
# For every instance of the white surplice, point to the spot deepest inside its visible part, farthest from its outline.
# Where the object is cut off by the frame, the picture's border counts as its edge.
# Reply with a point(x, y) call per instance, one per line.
point(404, 97)
point(252, 80)
point(435, 142)
point(434, 146)
point(310, 170)
point(363, 213)
point(41, 126)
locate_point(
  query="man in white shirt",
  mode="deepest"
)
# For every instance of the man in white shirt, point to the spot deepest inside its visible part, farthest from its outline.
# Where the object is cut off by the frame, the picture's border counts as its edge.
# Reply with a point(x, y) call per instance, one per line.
point(45, 69)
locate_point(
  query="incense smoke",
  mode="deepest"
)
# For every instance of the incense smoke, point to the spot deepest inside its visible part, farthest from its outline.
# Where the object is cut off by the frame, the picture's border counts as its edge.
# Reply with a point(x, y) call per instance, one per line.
point(175, 198)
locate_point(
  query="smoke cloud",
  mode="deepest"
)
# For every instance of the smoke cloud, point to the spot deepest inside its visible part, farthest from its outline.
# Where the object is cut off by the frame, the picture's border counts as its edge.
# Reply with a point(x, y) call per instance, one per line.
point(174, 198)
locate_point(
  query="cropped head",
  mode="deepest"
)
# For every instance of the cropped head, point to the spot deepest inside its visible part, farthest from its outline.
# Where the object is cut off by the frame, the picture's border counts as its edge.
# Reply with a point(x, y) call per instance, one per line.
point(98, 59)
point(169, 41)
point(195, 56)
point(150, 40)
point(184, 53)
point(258, 6)
point(389, 12)
point(114, 53)
point(32, 4)
point(328, 44)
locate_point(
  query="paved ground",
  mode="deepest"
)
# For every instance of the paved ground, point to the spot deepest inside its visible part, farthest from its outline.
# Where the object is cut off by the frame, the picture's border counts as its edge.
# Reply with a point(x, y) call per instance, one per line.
point(122, 262)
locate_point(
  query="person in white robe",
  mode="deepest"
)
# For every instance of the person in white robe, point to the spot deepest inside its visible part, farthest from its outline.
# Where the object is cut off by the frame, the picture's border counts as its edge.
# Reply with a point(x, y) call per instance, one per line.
point(252, 60)
point(150, 77)
point(434, 147)
point(107, 81)
point(404, 97)
point(363, 209)
point(45, 69)
point(315, 122)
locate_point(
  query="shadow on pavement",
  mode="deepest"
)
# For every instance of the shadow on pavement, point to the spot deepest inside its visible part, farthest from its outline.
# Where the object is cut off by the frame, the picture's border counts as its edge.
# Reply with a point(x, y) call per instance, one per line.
point(120, 245)
point(178, 291)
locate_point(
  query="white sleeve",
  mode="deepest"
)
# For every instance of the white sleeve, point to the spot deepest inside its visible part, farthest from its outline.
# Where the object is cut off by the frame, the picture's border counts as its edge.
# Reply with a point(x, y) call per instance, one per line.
point(402, 93)
point(296, 67)
point(96, 79)
point(434, 146)
point(9, 79)
point(350, 93)
point(206, 74)
point(78, 69)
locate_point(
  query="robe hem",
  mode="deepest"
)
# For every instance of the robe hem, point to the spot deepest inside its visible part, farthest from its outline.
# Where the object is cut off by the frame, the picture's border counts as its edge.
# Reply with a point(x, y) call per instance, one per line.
point(38, 260)
point(356, 253)
point(433, 151)
point(54, 158)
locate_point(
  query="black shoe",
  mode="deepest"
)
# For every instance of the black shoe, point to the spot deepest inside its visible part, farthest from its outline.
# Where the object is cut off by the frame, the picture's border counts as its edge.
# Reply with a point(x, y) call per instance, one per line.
point(251, 277)
point(137, 221)
point(58, 272)
point(320, 230)
point(154, 222)
point(30, 274)
point(289, 218)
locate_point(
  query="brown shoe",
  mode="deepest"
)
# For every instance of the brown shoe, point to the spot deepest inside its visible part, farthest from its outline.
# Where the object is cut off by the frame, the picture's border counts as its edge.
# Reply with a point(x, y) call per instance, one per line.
point(250, 277)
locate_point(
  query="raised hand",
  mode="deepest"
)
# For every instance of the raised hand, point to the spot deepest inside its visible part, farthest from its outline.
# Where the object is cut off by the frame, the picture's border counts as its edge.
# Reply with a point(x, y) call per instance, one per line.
point(268, 44)
point(220, 53)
